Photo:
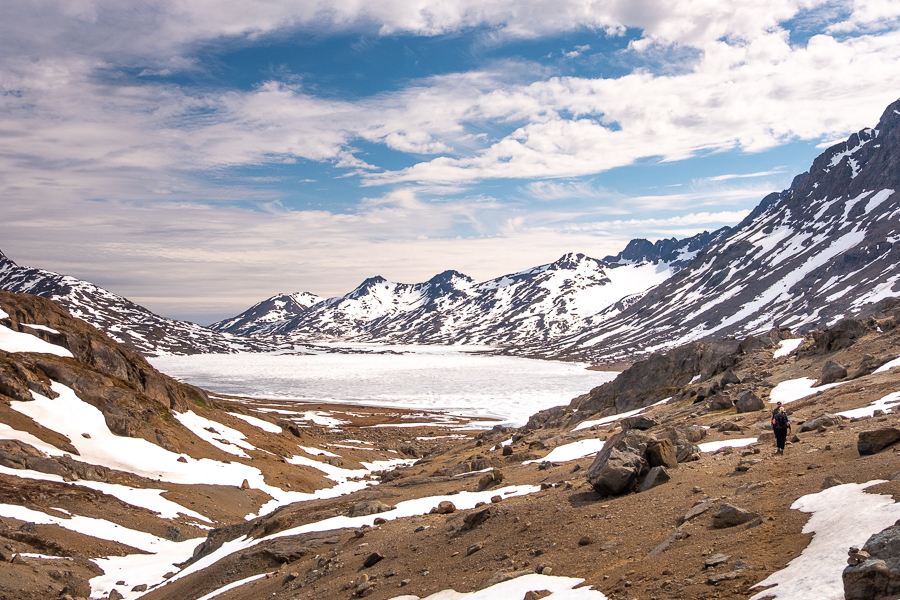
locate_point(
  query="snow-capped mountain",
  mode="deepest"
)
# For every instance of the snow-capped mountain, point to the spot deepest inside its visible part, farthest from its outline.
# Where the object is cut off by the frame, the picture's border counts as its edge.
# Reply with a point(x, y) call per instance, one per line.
point(535, 305)
point(276, 309)
point(804, 258)
point(121, 319)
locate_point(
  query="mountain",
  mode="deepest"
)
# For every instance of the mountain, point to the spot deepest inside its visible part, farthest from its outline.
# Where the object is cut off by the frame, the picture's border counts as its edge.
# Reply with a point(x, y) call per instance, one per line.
point(121, 319)
point(804, 258)
point(281, 307)
point(538, 304)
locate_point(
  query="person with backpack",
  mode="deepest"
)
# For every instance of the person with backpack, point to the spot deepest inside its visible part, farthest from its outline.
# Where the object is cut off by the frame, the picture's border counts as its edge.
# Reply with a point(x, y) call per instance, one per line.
point(781, 424)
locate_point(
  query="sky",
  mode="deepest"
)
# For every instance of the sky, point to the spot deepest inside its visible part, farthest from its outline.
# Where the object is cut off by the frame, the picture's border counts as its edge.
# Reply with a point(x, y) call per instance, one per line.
point(197, 157)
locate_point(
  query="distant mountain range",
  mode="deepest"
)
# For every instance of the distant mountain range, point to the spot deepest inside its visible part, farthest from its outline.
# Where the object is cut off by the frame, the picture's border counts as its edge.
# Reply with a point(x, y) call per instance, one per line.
point(533, 306)
point(804, 258)
point(121, 319)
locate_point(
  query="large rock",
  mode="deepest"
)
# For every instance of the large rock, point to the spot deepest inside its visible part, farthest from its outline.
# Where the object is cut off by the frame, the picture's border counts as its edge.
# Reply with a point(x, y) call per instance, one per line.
point(620, 464)
point(731, 516)
point(721, 401)
point(683, 439)
point(832, 372)
point(661, 453)
point(638, 422)
point(876, 440)
point(656, 476)
point(748, 401)
point(372, 507)
point(878, 578)
point(823, 420)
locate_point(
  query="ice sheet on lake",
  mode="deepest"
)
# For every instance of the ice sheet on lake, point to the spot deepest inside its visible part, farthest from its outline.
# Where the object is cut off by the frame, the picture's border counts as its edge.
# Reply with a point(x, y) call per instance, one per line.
point(842, 516)
point(446, 379)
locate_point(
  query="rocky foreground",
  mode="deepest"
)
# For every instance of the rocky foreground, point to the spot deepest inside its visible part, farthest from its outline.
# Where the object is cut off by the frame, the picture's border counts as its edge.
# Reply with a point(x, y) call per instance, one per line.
point(685, 498)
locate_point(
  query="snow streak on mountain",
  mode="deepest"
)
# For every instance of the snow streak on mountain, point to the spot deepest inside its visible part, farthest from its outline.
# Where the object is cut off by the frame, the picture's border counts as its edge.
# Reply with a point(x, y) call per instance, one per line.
point(119, 318)
point(804, 258)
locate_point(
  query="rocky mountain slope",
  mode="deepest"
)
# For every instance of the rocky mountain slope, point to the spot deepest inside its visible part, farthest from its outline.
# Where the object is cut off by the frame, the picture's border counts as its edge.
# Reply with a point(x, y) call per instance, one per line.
point(536, 305)
point(121, 319)
point(661, 484)
point(277, 309)
point(804, 258)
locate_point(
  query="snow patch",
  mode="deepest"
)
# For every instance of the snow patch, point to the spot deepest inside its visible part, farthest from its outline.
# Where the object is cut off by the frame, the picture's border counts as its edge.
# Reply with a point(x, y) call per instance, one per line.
point(14, 341)
point(785, 347)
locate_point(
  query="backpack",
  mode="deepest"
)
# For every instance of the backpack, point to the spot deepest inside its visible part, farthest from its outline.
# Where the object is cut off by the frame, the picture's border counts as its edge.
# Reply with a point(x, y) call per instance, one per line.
point(780, 421)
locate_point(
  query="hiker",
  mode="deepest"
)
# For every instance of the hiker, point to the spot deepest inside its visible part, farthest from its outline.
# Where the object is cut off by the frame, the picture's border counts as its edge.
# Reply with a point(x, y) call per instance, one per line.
point(780, 425)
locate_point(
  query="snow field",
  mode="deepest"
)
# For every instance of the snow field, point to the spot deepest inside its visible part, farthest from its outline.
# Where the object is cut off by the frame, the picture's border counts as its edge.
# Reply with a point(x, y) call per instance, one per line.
point(737, 443)
point(795, 389)
point(264, 425)
point(222, 437)
point(562, 588)
point(572, 451)
point(842, 516)
point(13, 341)
point(231, 586)
point(786, 347)
point(885, 404)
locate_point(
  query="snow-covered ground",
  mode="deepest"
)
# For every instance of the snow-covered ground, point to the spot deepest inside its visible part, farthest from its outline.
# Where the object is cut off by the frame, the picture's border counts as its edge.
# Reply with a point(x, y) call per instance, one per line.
point(432, 378)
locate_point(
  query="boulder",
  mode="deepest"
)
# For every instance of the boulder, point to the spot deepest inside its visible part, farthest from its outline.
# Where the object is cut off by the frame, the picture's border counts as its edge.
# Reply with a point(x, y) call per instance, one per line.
point(730, 377)
point(832, 372)
point(656, 476)
point(876, 440)
point(721, 401)
point(372, 507)
point(661, 453)
point(748, 401)
point(731, 516)
point(489, 479)
point(823, 420)
point(474, 519)
point(877, 577)
point(445, 507)
point(638, 422)
point(621, 463)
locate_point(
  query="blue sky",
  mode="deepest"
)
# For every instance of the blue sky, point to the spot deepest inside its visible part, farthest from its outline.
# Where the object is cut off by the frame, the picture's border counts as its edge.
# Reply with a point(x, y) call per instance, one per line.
point(198, 157)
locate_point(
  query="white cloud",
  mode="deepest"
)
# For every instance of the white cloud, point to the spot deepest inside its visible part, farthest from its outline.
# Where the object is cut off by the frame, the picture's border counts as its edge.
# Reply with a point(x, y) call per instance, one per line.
point(728, 176)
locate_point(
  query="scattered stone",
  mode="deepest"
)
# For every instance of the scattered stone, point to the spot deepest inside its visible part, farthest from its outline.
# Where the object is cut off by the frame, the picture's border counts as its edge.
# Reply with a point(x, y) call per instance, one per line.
point(832, 372)
point(716, 560)
point(365, 588)
point(537, 595)
point(474, 519)
point(373, 559)
point(697, 510)
point(876, 574)
point(379, 521)
point(496, 499)
point(404, 582)
point(545, 486)
point(745, 464)
point(504, 575)
point(876, 440)
point(823, 420)
point(474, 548)
point(731, 516)
point(547, 571)
point(715, 578)
point(585, 540)
point(656, 476)
point(140, 588)
point(697, 489)
point(751, 486)
point(182, 459)
point(445, 508)
point(507, 450)
point(115, 595)
point(245, 485)
point(489, 479)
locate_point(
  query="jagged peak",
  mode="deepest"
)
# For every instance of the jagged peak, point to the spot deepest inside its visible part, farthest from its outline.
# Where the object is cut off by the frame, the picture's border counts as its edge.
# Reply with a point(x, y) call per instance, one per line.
point(572, 260)
point(366, 286)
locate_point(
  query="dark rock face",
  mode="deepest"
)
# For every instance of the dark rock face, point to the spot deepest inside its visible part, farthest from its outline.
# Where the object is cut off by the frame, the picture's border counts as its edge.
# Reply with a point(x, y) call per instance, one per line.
point(832, 372)
point(661, 453)
point(878, 577)
point(638, 422)
point(876, 440)
point(620, 464)
point(656, 476)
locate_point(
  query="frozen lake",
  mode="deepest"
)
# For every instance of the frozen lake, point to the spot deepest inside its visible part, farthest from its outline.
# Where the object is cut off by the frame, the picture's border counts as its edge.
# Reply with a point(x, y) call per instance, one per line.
point(421, 377)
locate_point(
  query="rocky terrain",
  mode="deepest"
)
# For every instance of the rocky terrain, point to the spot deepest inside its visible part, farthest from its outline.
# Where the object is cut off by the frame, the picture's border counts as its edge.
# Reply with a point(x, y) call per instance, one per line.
point(660, 484)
